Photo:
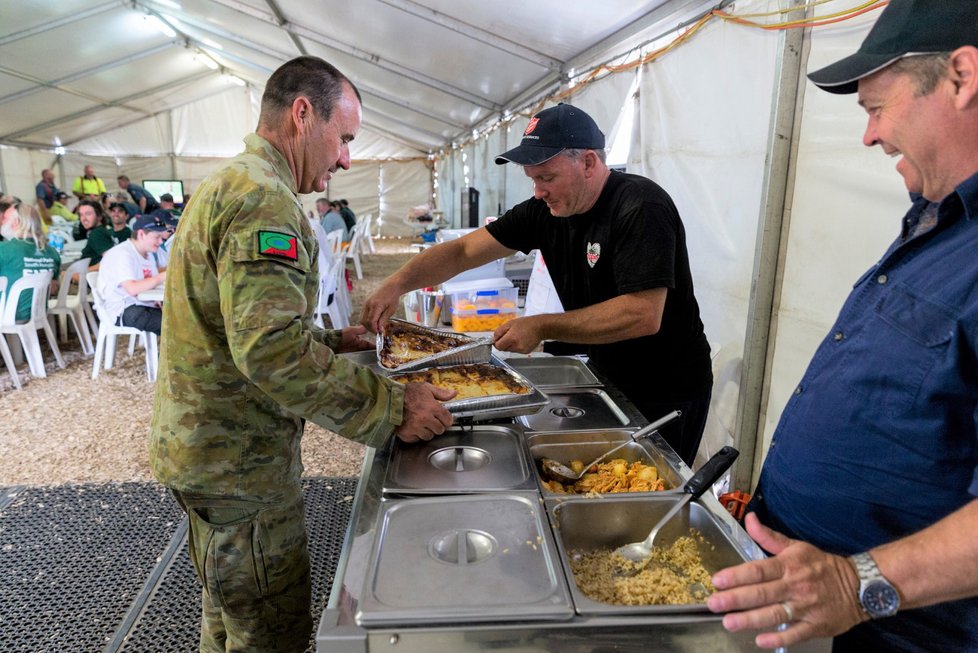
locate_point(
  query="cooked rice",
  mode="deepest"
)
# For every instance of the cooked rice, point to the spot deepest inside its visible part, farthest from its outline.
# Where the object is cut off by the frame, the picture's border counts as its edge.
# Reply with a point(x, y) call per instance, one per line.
point(674, 576)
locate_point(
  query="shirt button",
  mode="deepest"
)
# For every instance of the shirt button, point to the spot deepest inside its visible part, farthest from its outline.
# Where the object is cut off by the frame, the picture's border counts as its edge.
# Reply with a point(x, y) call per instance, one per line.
point(881, 279)
point(798, 390)
point(838, 336)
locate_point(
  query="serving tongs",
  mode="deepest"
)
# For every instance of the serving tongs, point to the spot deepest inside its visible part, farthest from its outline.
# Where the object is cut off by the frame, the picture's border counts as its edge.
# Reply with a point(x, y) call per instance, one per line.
point(639, 554)
point(559, 472)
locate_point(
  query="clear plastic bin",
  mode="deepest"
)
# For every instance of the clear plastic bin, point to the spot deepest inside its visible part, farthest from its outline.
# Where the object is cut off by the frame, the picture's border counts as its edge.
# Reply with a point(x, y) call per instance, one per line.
point(483, 310)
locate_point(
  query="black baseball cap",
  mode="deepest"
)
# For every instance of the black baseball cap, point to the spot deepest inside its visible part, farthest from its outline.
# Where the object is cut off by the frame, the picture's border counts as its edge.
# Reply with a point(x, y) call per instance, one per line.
point(166, 197)
point(61, 194)
point(149, 222)
point(905, 28)
point(166, 217)
point(552, 131)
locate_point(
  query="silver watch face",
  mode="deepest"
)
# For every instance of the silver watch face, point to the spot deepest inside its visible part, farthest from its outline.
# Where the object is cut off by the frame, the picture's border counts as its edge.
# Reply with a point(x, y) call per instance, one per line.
point(880, 599)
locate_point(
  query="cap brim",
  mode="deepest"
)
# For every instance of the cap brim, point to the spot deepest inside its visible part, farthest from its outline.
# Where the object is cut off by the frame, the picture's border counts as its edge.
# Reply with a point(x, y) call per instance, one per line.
point(843, 76)
point(529, 155)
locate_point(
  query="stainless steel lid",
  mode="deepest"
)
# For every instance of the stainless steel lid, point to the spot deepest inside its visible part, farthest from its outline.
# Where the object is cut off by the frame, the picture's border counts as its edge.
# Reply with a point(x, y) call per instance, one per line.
point(577, 409)
point(451, 559)
point(554, 371)
point(480, 459)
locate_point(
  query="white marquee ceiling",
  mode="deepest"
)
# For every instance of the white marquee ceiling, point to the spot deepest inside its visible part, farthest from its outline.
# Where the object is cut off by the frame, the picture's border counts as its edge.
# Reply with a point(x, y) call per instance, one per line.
point(429, 70)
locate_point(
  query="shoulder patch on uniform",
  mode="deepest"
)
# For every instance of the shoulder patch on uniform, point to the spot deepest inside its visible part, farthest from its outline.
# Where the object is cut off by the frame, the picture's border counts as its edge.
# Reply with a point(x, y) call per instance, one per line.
point(274, 243)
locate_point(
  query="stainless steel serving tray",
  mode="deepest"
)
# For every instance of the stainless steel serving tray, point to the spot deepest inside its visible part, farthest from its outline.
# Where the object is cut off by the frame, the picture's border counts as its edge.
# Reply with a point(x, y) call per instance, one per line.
point(577, 409)
point(463, 559)
point(613, 520)
point(476, 350)
point(483, 458)
point(565, 446)
point(499, 406)
point(555, 371)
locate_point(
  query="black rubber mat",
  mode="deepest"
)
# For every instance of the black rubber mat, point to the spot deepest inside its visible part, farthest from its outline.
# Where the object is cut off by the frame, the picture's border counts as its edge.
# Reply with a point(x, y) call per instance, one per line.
point(104, 568)
point(74, 558)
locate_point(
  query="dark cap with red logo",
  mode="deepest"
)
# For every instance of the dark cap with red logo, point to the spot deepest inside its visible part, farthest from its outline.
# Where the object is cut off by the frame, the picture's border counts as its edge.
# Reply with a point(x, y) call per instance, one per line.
point(552, 131)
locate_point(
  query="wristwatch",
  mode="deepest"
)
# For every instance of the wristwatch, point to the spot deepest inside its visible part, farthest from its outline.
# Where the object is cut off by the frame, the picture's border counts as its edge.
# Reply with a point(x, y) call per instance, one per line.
point(877, 596)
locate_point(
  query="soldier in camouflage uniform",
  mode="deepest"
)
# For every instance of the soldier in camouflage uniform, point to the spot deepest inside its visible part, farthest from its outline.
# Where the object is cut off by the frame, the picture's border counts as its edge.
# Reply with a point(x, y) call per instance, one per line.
point(242, 366)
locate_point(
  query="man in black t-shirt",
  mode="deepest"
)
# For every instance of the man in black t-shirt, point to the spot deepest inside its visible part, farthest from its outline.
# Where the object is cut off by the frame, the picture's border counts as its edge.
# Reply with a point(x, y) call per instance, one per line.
point(616, 250)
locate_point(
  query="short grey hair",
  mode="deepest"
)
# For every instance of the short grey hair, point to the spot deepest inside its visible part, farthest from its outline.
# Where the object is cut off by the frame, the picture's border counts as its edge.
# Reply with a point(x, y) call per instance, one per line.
point(925, 70)
point(577, 153)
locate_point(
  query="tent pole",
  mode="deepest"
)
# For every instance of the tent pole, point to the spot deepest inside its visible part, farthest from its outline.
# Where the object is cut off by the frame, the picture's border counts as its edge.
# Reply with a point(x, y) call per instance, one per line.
point(768, 258)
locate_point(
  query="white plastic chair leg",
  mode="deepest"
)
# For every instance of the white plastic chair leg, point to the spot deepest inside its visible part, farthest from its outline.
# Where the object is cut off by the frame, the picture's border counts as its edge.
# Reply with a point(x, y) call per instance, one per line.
point(81, 327)
point(132, 345)
point(31, 345)
point(152, 356)
point(8, 360)
point(53, 341)
point(99, 353)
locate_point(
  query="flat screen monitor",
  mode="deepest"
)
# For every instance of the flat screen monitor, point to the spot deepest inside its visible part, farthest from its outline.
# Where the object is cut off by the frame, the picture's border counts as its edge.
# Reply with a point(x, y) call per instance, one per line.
point(157, 187)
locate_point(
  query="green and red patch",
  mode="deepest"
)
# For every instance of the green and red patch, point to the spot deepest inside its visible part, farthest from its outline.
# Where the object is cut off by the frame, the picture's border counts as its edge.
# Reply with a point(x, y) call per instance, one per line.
point(273, 243)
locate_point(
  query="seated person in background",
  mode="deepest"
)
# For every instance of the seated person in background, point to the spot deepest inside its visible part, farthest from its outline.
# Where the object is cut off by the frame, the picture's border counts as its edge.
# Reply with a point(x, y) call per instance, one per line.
point(88, 186)
point(129, 269)
point(90, 216)
point(59, 208)
point(23, 251)
point(349, 217)
point(147, 203)
point(330, 218)
point(102, 239)
point(166, 203)
point(162, 255)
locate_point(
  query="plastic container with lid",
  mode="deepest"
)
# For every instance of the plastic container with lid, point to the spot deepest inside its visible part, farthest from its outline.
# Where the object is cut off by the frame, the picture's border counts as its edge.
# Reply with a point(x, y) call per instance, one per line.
point(483, 310)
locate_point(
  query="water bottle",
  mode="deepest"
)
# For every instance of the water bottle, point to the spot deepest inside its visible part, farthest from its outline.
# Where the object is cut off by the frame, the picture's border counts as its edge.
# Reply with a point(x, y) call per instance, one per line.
point(56, 241)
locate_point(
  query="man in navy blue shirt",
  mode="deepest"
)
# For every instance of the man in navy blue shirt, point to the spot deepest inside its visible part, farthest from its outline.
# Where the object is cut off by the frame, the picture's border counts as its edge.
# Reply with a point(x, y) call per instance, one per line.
point(147, 203)
point(868, 491)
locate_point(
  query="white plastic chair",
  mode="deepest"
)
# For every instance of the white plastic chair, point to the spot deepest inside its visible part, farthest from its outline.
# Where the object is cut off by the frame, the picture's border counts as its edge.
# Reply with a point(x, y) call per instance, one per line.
point(108, 330)
point(37, 285)
point(73, 306)
point(330, 302)
point(326, 301)
point(367, 239)
point(8, 358)
point(334, 242)
point(353, 250)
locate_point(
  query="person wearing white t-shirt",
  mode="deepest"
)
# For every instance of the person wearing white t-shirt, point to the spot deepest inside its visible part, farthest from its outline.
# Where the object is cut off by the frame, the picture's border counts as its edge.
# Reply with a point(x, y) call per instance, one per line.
point(128, 269)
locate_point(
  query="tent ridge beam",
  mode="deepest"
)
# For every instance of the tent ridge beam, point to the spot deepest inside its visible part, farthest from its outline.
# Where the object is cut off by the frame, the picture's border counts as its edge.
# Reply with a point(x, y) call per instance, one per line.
point(283, 23)
point(475, 33)
point(61, 22)
point(396, 68)
point(56, 84)
point(369, 57)
point(120, 104)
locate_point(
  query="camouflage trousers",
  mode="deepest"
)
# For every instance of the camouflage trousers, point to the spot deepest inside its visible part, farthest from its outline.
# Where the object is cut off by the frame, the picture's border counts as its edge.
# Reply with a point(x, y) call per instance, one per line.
point(252, 559)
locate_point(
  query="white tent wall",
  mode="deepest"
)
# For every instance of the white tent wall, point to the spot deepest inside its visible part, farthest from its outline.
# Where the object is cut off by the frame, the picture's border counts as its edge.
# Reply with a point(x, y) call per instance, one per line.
point(710, 158)
point(847, 205)
point(405, 185)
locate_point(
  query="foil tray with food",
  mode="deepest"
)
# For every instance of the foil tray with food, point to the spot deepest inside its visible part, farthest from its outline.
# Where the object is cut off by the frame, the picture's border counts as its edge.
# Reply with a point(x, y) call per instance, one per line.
point(485, 390)
point(407, 346)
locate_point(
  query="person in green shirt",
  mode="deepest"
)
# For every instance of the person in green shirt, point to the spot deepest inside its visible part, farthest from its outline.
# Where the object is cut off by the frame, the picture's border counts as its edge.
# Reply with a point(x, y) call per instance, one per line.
point(102, 239)
point(23, 252)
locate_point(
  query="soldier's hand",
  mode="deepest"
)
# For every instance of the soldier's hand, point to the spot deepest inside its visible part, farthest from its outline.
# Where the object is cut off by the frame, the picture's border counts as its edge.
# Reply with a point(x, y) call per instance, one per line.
point(379, 307)
point(519, 335)
point(424, 415)
point(352, 340)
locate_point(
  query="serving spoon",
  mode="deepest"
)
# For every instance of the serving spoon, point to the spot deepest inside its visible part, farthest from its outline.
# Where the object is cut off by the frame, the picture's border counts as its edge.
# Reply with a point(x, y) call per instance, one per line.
point(559, 472)
point(639, 553)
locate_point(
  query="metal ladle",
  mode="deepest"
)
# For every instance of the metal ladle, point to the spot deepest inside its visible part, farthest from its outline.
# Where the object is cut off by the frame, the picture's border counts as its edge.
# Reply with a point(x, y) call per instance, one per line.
point(640, 553)
point(559, 472)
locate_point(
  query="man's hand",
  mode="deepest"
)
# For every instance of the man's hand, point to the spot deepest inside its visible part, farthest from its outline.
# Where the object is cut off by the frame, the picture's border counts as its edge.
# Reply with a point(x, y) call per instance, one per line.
point(379, 307)
point(424, 416)
point(352, 340)
point(520, 335)
point(819, 589)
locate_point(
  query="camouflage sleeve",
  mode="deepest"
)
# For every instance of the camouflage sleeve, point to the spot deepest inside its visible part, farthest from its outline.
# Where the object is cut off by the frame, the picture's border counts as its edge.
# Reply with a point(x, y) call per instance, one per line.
point(263, 269)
